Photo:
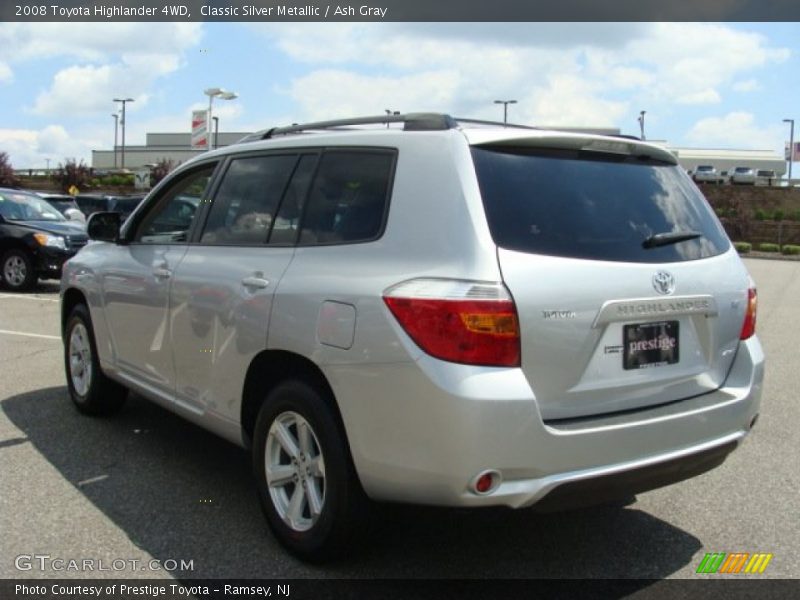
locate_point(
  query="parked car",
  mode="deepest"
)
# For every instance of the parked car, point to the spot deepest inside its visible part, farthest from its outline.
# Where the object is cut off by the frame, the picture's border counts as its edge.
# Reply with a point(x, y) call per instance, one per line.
point(767, 177)
point(440, 314)
point(707, 174)
point(743, 176)
point(35, 239)
point(92, 203)
point(63, 203)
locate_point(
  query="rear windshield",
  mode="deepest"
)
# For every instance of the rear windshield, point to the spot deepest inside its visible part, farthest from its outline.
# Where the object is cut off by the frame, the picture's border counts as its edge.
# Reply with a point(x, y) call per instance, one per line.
point(584, 205)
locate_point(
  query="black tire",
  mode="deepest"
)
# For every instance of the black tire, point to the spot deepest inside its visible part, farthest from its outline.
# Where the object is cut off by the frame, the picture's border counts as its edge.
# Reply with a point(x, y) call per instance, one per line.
point(17, 270)
point(340, 523)
point(93, 393)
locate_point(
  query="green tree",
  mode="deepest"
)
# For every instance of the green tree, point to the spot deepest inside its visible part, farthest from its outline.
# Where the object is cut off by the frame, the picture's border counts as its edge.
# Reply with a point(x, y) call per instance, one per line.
point(7, 176)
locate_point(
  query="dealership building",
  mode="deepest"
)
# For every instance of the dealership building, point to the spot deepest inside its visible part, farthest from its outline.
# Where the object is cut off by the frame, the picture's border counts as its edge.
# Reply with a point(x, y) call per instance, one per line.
point(177, 148)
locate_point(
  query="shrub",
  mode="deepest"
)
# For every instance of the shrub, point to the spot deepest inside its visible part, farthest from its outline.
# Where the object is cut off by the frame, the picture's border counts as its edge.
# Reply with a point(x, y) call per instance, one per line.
point(743, 247)
point(7, 176)
point(795, 216)
point(769, 247)
point(72, 173)
point(731, 212)
point(790, 249)
point(777, 215)
point(760, 215)
point(161, 170)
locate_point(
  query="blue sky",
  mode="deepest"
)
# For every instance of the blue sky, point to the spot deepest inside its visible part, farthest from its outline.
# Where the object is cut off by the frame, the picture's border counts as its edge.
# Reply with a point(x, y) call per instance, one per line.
point(707, 85)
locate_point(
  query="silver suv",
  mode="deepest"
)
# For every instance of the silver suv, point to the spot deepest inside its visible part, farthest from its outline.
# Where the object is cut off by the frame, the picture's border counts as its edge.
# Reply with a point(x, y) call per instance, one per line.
point(417, 309)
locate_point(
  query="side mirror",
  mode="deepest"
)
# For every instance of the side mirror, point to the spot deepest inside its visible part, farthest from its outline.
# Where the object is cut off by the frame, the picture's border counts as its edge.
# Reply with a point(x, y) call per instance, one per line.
point(104, 227)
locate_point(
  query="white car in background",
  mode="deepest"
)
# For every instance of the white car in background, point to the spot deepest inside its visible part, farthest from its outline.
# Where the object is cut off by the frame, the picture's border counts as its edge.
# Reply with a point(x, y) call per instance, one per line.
point(743, 176)
point(707, 174)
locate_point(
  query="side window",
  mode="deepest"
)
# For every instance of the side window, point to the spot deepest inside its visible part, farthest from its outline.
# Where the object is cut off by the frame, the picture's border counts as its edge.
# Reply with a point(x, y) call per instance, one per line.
point(169, 220)
point(347, 201)
point(248, 196)
point(284, 229)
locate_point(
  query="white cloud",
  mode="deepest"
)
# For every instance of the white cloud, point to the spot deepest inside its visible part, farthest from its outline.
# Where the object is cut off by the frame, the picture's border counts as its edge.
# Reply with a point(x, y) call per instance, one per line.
point(30, 149)
point(748, 85)
point(6, 74)
point(737, 129)
point(115, 59)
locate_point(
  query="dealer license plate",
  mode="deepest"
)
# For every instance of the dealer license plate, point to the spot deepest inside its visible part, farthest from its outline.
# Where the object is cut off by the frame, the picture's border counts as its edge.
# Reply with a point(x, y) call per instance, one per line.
point(647, 345)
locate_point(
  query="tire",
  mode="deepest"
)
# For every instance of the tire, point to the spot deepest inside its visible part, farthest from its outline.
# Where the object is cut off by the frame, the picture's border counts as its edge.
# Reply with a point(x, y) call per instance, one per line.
point(18, 272)
point(315, 506)
point(91, 391)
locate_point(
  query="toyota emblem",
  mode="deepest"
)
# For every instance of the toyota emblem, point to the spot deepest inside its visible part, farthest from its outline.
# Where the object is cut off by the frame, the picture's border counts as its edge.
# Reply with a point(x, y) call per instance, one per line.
point(664, 282)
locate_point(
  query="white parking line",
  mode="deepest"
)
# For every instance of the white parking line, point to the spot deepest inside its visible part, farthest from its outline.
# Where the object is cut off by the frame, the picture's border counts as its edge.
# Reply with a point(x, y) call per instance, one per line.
point(21, 297)
point(34, 335)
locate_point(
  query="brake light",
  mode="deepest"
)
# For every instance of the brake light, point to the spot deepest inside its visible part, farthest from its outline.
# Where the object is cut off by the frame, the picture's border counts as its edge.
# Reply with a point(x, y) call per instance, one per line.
point(749, 325)
point(459, 321)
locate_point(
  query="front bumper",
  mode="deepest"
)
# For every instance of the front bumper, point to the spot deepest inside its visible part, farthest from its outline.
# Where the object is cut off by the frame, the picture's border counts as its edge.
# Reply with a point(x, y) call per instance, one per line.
point(420, 433)
point(50, 261)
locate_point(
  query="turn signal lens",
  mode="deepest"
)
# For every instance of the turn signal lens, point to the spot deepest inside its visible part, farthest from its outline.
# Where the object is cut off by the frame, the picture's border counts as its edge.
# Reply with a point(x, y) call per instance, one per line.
point(749, 325)
point(459, 321)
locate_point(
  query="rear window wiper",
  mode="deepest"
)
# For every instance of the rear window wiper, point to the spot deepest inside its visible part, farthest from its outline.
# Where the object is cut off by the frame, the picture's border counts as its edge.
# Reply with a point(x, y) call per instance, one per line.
point(670, 237)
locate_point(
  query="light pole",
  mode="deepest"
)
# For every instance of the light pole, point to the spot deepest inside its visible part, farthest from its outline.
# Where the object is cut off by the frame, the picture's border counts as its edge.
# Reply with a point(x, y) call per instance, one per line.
point(47, 160)
point(505, 104)
point(390, 112)
point(641, 122)
point(122, 122)
point(216, 131)
point(212, 93)
point(116, 127)
point(791, 145)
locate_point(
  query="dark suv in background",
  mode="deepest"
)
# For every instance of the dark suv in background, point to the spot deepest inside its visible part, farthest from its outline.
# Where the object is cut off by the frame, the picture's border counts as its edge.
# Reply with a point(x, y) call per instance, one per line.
point(35, 239)
point(92, 203)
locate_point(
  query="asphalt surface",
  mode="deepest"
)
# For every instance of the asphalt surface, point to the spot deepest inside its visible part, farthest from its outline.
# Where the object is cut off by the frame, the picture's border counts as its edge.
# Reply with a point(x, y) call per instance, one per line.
point(146, 485)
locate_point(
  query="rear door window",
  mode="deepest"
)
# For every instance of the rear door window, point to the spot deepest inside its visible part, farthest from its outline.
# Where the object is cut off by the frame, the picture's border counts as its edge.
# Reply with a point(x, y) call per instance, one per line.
point(348, 198)
point(245, 205)
point(594, 206)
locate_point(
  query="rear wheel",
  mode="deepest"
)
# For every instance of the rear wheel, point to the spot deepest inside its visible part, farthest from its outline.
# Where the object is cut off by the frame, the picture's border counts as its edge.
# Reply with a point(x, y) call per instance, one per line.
point(91, 391)
point(18, 271)
point(307, 485)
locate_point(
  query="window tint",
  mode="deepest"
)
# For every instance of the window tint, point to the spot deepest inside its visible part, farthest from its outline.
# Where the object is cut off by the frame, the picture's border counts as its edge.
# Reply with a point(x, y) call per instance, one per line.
point(577, 205)
point(284, 228)
point(347, 200)
point(171, 218)
point(245, 204)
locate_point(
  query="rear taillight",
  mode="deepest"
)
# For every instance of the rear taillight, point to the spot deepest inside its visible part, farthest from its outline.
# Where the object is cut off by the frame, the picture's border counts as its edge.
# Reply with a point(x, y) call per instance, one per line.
point(459, 321)
point(749, 325)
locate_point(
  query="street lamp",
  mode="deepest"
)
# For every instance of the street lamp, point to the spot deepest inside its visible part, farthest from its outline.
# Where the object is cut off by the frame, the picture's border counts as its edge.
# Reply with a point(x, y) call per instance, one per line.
point(641, 122)
point(122, 122)
point(505, 104)
point(116, 127)
point(390, 112)
point(216, 131)
point(212, 93)
point(791, 146)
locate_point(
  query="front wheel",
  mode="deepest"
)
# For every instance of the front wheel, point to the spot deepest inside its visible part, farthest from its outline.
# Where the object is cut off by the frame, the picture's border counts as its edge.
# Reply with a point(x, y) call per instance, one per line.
point(91, 391)
point(18, 270)
point(307, 485)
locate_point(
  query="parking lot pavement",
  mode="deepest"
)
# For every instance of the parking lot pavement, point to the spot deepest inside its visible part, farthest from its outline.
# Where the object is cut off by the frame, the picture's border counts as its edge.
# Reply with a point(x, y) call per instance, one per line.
point(146, 484)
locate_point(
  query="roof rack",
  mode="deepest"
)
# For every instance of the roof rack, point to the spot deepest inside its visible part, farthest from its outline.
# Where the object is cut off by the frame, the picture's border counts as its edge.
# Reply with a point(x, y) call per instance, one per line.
point(494, 123)
point(411, 121)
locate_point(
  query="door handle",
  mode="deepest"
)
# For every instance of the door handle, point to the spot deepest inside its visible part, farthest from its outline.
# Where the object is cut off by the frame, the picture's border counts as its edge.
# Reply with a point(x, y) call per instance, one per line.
point(162, 273)
point(255, 282)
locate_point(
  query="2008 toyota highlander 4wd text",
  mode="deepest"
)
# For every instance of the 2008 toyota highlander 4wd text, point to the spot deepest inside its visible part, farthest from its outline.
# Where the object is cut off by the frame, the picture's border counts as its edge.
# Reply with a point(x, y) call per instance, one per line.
point(420, 309)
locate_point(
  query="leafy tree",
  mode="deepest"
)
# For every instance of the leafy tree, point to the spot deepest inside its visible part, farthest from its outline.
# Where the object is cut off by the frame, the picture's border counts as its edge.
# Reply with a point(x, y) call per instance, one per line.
point(72, 173)
point(7, 176)
point(160, 170)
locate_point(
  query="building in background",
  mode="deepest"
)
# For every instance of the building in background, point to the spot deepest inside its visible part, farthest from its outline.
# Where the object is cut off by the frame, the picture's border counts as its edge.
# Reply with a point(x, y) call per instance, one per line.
point(177, 147)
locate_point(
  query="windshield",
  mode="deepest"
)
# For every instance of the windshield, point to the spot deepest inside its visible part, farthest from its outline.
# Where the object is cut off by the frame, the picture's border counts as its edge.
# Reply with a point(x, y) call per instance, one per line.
point(16, 206)
point(577, 205)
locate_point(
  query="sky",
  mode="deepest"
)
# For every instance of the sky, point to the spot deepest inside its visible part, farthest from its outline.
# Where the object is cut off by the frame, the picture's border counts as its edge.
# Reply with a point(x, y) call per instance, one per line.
point(702, 85)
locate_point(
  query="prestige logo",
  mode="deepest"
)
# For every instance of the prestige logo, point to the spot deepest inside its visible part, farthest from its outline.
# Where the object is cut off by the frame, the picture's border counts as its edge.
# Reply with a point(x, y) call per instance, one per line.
point(662, 342)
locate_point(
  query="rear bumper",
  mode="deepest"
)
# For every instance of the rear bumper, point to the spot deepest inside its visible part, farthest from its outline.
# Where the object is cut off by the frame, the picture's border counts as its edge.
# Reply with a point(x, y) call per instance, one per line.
point(420, 432)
